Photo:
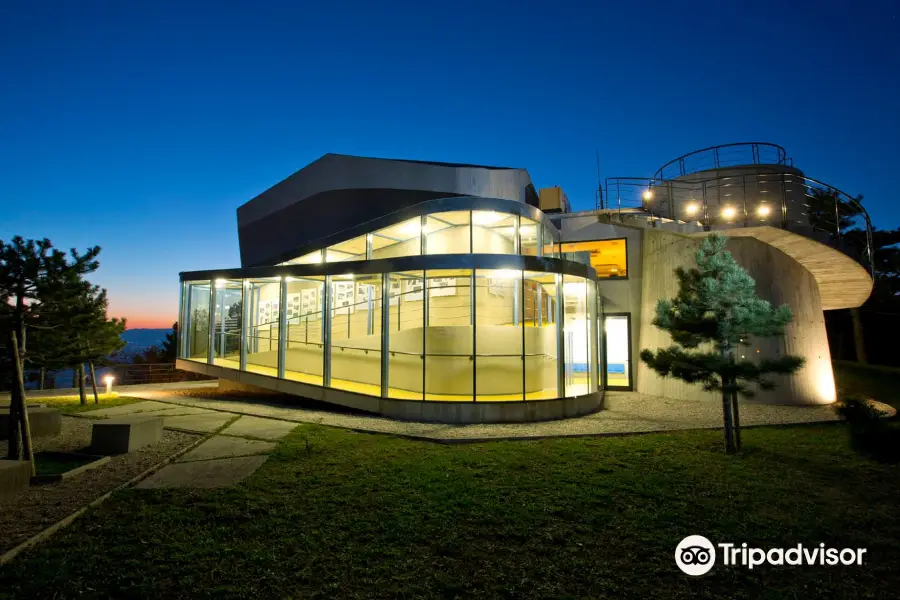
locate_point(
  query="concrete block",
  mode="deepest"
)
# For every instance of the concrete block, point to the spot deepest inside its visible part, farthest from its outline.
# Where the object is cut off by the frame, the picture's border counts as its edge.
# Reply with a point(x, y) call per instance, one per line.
point(15, 475)
point(43, 421)
point(125, 434)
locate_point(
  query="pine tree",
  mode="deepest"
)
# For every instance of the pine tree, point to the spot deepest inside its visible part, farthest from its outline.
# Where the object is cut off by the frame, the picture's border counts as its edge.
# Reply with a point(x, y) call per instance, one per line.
point(715, 311)
point(83, 335)
point(35, 278)
point(169, 350)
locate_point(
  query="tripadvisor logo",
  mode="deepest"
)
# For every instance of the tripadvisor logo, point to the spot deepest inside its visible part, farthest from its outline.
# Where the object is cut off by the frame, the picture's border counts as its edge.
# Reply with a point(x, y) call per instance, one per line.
point(696, 555)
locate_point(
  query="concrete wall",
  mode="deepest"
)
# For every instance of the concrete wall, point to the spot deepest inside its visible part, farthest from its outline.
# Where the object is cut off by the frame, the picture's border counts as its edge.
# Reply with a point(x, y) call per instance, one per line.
point(779, 279)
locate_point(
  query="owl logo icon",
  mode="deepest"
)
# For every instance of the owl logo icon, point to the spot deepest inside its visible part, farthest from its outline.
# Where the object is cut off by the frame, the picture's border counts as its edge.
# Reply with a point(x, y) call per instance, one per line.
point(695, 555)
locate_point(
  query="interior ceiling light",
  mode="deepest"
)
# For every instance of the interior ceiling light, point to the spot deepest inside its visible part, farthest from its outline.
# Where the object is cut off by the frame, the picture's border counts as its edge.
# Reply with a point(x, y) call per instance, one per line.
point(410, 228)
point(480, 217)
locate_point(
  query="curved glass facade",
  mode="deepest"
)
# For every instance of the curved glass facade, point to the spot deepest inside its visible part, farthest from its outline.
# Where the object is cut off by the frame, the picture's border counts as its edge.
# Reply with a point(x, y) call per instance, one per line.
point(520, 330)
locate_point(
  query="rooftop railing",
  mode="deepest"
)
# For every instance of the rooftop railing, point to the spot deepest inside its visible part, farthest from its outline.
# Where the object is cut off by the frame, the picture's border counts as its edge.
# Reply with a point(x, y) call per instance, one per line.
point(788, 201)
point(726, 155)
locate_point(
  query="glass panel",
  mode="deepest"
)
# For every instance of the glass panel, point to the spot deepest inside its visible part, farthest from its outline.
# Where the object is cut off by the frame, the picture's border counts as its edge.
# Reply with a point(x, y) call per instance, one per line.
point(528, 230)
point(356, 333)
point(406, 369)
point(493, 232)
point(575, 336)
point(448, 335)
point(541, 364)
point(354, 249)
point(264, 299)
point(598, 339)
point(403, 239)
point(228, 317)
point(498, 335)
point(592, 334)
point(304, 354)
point(617, 351)
point(197, 327)
point(550, 240)
point(447, 233)
point(307, 259)
point(608, 257)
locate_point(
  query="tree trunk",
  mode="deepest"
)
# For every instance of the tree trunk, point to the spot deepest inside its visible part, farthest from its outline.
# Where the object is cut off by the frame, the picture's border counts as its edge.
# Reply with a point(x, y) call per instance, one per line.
point(22, 412)
point(81, 393)
point(13, 451)
point(728, 406)
point(737, 421)
point(94, 382)
point(729, 422)
point(859, 340)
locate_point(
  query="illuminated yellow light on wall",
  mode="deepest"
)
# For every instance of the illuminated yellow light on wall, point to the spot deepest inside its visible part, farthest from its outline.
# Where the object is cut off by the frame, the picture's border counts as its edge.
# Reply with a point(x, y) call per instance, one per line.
point(728, 212)
point(691, 209)
point(825, 382)
point(763, 210)
point(220, 283)
point(648, 194)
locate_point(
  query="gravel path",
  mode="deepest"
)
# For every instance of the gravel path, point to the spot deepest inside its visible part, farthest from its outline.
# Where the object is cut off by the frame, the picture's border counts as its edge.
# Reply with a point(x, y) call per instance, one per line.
point(28, 513)
point(626, 412)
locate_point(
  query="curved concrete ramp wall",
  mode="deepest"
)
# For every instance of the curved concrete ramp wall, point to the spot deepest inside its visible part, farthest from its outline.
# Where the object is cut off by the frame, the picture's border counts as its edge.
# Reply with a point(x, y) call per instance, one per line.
point(842, 282)
point(779, 279)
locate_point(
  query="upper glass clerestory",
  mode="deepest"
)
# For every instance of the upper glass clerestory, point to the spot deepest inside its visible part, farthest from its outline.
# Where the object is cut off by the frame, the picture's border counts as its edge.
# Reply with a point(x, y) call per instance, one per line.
point(446, 232)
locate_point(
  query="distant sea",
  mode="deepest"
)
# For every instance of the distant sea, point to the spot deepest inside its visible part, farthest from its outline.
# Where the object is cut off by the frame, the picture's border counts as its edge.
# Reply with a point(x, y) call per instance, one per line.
point(136, 341)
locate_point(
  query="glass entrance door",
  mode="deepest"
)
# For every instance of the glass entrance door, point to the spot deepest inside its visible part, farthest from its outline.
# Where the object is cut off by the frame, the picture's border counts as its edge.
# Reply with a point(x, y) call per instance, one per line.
point(617, 351)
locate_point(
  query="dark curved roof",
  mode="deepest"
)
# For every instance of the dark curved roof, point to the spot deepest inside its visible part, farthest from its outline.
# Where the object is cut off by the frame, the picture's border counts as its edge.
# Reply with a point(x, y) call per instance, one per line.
point(339, 192)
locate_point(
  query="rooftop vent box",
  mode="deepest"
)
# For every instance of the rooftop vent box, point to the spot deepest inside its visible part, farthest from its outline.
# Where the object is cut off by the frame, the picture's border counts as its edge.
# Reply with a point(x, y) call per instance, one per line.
point(553, 200)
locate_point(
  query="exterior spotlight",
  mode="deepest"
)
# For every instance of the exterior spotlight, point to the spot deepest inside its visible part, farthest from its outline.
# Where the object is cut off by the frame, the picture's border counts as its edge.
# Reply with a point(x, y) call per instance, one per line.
point(108, 380)
point(763, 210)
point(648, 194)
point(728, 212)
point(690, 209)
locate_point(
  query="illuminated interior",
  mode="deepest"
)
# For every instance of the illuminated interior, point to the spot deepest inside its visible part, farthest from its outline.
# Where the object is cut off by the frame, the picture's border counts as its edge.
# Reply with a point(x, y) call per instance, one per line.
point(431, 335)
point(608, 257)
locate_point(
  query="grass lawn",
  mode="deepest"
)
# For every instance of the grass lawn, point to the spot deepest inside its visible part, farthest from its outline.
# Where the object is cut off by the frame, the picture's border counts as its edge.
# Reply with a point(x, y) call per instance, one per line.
point(338, 514)
point(72, 404)
point(56, 463)
point(881, 383)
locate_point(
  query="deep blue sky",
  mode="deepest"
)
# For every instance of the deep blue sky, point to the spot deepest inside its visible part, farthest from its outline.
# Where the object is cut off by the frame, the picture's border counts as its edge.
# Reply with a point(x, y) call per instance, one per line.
point(141, 126)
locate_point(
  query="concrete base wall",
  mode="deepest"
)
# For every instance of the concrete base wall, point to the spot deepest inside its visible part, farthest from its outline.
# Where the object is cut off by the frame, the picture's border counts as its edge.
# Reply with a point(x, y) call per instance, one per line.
point(779, 279)
point(42, 422)
point(15, 476)
point(410, 410)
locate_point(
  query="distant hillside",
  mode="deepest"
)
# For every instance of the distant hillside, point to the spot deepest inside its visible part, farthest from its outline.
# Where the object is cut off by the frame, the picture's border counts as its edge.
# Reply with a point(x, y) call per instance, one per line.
point(137, 340)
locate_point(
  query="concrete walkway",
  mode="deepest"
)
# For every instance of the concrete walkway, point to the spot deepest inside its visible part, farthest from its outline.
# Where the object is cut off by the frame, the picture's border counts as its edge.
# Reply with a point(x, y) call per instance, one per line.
point(235, 451)
point(627, 412)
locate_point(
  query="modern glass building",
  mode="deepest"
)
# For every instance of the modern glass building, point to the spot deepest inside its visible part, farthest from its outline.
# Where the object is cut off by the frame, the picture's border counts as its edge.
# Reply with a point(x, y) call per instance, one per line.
point(442, 292)
point(455, 300)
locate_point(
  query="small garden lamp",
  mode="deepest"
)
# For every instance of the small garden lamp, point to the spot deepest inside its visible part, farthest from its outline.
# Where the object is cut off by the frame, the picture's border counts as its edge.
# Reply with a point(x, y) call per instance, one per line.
point(108, 380)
